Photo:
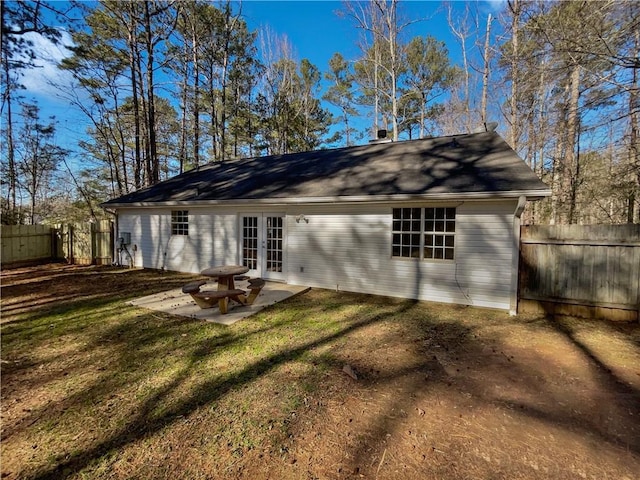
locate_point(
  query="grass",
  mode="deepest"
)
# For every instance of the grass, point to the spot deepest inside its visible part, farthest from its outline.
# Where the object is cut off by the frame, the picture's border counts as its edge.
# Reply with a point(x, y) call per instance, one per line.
point(95, 388)
point(103, 376)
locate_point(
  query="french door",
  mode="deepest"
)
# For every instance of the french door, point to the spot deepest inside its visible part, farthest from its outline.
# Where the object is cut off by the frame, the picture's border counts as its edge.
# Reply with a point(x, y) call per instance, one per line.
point(262, 245)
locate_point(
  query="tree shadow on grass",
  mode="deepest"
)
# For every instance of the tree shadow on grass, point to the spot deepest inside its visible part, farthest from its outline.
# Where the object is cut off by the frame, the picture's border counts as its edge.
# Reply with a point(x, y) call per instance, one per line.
point(455, 356)
point(442, 343)
point(148, 419)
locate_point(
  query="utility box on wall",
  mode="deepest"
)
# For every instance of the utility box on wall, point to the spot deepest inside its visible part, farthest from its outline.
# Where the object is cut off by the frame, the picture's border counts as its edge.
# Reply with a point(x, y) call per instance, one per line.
point(124, 238)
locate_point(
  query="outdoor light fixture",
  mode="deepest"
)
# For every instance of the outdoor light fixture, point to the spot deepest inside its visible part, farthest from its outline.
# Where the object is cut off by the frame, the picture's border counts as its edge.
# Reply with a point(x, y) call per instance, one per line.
point(302, 218)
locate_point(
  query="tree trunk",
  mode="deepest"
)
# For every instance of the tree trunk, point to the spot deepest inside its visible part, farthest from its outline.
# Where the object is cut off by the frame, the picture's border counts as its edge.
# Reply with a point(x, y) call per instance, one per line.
point(133, 60)
point(423, 107)
point(485, 76)
point(182, 152)
point(516, 10)
point(392, 32)
point(154, 170)
point(634, 155)
point(570, 167)
point(196, 95)
point(11, 193)
point(462, 34)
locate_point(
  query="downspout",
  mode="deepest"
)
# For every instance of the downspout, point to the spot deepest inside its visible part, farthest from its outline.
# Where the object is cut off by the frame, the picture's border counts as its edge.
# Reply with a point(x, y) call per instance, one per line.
point(515, 255)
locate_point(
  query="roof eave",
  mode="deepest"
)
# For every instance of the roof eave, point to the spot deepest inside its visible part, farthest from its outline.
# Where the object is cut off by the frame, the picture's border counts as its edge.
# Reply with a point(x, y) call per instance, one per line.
point(529, 194)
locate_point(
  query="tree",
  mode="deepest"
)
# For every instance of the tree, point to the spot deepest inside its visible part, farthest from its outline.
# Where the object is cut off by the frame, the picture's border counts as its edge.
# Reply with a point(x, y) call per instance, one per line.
point(340, 94)
point(458, 113)
point(18, 19)
point(185, 54)
point(98, 69)
point(38, 156)
point(124, 41)
point(213, 52)
point(382, 64)
point(288, 104)
point(577, 97)
point(429, 76)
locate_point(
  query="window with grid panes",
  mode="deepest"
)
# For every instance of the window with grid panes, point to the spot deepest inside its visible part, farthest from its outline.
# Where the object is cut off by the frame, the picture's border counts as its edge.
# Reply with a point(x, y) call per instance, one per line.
point(439, 233)
point(425, 233)
point(179, 222)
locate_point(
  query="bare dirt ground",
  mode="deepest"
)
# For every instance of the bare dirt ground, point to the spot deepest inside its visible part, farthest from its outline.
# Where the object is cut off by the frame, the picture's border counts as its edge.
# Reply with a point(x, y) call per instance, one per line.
point(440, 392)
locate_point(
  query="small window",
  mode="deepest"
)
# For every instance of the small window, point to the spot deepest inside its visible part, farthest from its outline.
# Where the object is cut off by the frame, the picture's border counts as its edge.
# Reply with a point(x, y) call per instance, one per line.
point(179, 222)
point(425, 233)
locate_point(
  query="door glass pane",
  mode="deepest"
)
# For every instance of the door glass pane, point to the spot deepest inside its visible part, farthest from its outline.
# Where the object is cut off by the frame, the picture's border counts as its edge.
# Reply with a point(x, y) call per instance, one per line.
point(250, 242)
point(275, 235)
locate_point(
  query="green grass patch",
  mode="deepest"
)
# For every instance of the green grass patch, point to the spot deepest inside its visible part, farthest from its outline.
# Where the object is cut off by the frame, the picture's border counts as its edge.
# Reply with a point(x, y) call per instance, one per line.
point(95, 388)
point(103, 376)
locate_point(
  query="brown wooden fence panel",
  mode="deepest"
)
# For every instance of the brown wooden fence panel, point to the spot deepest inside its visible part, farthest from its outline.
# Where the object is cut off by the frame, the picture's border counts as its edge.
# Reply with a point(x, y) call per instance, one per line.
point(102, 235)
point(82, 244)
point(21, 243)
point(591, 270)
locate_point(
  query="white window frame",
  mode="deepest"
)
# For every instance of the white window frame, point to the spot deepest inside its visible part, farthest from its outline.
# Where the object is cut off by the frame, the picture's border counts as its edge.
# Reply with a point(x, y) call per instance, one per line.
point(180, 222)
point(426, 233)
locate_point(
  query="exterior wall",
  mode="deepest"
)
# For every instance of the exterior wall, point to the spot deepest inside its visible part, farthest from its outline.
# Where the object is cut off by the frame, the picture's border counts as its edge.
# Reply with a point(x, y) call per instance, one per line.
point(345, 247)
point(349, 248)
point(211, 240)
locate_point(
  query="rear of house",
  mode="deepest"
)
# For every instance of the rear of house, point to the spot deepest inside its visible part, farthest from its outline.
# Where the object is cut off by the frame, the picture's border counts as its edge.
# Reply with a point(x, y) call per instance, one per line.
point(434, 219)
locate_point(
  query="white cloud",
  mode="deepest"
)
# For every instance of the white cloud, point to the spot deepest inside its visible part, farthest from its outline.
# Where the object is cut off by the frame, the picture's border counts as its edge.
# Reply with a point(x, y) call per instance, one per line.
point(40, 79)
point(495, 6)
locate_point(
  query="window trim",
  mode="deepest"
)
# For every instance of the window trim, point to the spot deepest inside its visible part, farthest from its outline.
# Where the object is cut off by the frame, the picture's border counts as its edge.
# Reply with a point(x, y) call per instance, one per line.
point(422, 233)
point(180, 222)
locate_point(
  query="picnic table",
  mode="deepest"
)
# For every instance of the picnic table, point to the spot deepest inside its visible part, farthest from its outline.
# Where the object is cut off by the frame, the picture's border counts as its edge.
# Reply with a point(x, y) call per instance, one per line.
point(225, 275)
point(226, 291)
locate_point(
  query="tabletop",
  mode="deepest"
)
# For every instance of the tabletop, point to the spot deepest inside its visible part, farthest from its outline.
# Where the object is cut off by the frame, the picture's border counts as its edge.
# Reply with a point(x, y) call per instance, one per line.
point(225, 270)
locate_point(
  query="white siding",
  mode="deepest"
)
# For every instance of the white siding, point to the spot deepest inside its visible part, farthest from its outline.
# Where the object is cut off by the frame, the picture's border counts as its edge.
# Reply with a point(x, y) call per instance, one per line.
point(211, 240)
point(349, 248)
point(346, 247)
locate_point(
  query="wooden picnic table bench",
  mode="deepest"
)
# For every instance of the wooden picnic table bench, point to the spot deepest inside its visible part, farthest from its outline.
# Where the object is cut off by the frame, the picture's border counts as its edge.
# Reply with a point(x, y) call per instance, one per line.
point(193, 287)
point(207, 299)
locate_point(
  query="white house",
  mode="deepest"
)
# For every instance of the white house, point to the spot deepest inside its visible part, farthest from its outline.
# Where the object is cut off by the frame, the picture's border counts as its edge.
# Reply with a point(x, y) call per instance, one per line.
point(435, 219)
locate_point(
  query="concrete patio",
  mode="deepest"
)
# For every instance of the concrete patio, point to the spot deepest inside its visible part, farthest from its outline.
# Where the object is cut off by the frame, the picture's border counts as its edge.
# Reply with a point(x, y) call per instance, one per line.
point(177, 303)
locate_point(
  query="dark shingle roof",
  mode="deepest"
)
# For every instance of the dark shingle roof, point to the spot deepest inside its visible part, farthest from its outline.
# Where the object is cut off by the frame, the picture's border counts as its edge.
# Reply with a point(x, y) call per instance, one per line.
point(481, 164)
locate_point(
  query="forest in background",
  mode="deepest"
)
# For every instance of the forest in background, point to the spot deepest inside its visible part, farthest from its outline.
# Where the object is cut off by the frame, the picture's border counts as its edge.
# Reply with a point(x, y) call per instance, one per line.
point(170, 85)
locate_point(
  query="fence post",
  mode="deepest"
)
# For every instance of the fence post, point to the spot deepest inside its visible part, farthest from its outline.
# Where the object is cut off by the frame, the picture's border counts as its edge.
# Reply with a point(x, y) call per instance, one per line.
point(54, 243)
point(93, 234)
point(70, 240)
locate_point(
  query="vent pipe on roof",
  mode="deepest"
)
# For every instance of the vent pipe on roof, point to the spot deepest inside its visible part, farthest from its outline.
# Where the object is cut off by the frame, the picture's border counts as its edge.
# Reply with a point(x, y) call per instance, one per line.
point(486, 127)
point(381, 137)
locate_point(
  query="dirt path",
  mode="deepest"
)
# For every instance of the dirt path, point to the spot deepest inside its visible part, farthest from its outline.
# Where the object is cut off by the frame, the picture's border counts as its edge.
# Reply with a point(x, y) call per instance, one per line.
point(521, 399)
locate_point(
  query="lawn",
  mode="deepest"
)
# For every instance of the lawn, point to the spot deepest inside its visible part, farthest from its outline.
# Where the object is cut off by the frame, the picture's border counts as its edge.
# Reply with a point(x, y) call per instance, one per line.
point(93, 388)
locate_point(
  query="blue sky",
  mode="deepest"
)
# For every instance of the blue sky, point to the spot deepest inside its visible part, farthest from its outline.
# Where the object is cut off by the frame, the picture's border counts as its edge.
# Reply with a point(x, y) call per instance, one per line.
point(313, 28)
point(317, 31)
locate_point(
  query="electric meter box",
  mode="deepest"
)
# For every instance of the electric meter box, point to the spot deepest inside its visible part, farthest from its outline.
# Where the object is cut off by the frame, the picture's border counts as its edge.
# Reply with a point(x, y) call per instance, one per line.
point(125, 238)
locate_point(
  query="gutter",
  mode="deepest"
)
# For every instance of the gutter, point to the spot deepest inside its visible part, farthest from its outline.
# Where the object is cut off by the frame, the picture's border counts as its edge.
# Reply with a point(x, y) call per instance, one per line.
point(515, 255)
point(528, 194)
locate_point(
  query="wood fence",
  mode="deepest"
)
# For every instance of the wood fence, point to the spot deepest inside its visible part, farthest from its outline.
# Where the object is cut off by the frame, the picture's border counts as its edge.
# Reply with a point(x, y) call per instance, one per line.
point(26, 243)
point(81, 244)
point(582, 270)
